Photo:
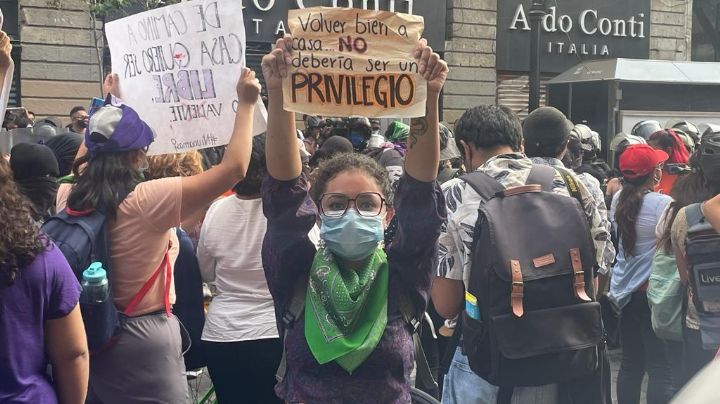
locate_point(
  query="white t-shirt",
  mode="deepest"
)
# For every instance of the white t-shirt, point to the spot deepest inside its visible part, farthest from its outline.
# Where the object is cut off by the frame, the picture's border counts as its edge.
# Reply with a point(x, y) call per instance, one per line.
point(229, 253)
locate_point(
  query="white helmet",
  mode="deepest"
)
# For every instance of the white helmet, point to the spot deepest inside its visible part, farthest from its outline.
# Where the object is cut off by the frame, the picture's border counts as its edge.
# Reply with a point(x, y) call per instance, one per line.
point(622, 137)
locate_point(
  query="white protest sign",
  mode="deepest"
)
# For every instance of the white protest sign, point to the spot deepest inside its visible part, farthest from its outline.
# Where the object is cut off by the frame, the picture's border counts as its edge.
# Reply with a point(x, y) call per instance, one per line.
point(178, 67)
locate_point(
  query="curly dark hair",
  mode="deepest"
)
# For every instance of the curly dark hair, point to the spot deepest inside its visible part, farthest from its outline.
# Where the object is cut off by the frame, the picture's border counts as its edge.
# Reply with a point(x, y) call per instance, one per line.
point(257, 169)
point(20, 241)
point(331, 168)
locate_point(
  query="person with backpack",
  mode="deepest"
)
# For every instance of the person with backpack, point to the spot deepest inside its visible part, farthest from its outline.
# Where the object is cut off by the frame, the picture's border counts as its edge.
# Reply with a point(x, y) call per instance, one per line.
point(635, 213)
point(669, 142)
point(697, 352)
point(490, 297)
point(674, 317)
point(240, 338)
point(546, 132)
point(189, 304)
point(40, 321)
point(145, 361)
point(354, 345)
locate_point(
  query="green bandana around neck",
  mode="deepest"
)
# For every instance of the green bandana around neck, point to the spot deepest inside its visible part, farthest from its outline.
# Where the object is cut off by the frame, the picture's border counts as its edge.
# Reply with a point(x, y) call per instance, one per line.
point(346, 310)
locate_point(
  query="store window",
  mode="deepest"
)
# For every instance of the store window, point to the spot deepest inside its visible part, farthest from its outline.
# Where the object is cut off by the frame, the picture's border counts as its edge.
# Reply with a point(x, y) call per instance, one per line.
point(706, 31)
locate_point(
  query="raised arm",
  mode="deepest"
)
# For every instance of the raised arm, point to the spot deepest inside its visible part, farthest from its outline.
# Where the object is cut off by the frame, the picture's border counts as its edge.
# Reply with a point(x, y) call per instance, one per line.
point(283, 158)
point(423, 157)
point(200, 190)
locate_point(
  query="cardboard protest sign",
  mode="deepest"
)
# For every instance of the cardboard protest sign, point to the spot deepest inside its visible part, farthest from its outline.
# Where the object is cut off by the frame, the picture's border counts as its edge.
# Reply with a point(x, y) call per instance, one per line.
point(352, 62)
point(178, 67)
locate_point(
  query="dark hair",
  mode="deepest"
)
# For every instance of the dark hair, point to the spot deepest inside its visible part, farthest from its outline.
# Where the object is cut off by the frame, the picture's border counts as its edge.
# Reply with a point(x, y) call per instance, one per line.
point(668, 139)
point(542, 149)
point(687, 189)
point(628, 208)
point(344, 162)
point(250, 185)
point(76, 110)
point(103, 183)
point(489, 126)
point(20, 241)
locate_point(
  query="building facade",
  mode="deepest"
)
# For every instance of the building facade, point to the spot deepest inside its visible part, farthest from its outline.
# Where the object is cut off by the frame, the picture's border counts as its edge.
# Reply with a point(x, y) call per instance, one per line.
point(485, 42)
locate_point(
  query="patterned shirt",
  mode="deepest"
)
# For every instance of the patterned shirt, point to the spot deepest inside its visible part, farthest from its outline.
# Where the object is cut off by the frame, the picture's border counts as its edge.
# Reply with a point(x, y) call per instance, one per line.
point(462, 213)
point(592, 186)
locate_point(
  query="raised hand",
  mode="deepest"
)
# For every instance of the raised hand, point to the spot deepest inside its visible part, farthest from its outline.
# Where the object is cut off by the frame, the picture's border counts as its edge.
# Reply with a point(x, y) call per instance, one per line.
point(248, 87)
point(431, 67)
point(5, 49)
point(111, 85)
point(276, 64)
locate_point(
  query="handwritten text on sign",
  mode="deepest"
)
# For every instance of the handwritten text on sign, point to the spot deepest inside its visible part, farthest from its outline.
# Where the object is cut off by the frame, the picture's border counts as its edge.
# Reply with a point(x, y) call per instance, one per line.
point(352, 62)
point(178, 66)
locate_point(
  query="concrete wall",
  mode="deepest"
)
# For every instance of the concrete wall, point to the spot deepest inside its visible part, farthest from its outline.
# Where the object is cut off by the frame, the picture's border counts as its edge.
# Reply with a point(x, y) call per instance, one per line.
point(59, 67)
point(671, 29)
point(470, 53)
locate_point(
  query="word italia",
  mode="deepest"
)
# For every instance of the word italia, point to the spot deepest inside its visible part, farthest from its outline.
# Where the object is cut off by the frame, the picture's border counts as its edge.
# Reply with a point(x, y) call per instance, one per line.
point(562, 48)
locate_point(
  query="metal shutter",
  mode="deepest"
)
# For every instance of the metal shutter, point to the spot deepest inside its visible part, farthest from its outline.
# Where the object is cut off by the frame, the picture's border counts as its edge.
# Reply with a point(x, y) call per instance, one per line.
point(513, 88)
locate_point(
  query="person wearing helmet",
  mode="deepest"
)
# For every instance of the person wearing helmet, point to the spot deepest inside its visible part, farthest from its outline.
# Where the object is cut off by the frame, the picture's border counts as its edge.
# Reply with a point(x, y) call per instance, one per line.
point(677, 163)
point(686, 127)
point(687, 140)
point(711, 208)
point(619, 143)
point(646, 128)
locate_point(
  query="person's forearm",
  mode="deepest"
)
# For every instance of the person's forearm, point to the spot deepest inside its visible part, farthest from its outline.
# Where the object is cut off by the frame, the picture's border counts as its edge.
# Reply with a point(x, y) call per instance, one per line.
point(71, 379)
point(423, 155)
point(282, 151)
point(237, 155)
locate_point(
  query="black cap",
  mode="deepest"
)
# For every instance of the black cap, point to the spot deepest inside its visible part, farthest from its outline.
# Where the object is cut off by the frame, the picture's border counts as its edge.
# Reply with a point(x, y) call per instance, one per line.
point(546, 126)
point(29, 160)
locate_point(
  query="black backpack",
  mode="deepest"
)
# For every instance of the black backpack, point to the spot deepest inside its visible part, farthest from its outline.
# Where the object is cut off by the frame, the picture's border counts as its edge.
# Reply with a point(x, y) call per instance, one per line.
point(530, 316)
point(82, 238)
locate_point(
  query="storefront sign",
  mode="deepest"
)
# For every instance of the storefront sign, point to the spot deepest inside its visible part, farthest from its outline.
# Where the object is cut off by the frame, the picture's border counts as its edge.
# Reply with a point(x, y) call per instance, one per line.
point(572, 31)
point(356, 62)
point(178, 66)
point(266, 20)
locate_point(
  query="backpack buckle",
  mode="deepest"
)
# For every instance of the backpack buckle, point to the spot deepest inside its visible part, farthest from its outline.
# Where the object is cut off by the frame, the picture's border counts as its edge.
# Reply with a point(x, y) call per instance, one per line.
point(414, 324)
point(288, 319)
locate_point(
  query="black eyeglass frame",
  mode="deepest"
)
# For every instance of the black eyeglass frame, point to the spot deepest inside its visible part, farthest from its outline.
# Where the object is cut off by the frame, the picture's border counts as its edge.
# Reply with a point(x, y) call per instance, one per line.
point(383, 203)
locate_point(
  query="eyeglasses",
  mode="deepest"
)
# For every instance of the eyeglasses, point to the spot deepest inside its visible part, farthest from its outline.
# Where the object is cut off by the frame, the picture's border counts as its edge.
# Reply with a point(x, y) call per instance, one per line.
point(367, 204)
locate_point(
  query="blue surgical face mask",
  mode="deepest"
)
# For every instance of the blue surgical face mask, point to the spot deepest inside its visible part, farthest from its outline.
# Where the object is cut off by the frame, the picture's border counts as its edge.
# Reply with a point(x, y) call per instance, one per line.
point(351, 236)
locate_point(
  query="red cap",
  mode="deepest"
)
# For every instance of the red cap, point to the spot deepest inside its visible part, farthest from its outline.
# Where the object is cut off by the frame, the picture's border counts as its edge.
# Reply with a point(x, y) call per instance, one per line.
point(639, 160)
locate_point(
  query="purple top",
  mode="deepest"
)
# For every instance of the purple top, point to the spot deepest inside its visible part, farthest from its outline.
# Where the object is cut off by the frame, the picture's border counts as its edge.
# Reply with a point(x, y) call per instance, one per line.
point(287, 257)
point(45, 290)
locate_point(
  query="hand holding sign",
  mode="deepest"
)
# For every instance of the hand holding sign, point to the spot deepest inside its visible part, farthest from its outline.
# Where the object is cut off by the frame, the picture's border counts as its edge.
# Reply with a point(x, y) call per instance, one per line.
point(248, 87)
point(432, 68)
point(5, 49)
point(276, 64)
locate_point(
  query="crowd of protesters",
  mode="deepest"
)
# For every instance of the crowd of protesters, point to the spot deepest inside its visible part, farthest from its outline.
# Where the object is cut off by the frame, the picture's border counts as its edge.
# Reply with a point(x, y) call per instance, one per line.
point(344, 261)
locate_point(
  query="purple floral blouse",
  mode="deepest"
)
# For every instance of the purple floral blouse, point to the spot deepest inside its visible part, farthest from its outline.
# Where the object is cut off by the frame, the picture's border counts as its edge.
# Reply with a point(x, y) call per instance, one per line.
point(287, 256)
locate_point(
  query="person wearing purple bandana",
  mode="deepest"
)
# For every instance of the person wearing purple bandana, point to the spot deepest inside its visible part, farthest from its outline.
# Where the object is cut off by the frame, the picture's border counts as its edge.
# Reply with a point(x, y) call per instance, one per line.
point(146, 363)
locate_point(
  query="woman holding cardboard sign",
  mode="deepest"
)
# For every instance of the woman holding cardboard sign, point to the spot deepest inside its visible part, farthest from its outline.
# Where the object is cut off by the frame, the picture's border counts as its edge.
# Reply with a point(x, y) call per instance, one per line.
point(343, 309)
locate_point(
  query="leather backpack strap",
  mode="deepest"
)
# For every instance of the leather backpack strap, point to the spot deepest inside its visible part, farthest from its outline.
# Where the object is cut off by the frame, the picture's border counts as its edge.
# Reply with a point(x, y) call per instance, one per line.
point(164, 265)
point(517, 292)
point(486, 186)
point(542, 175)
point(578, 275)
